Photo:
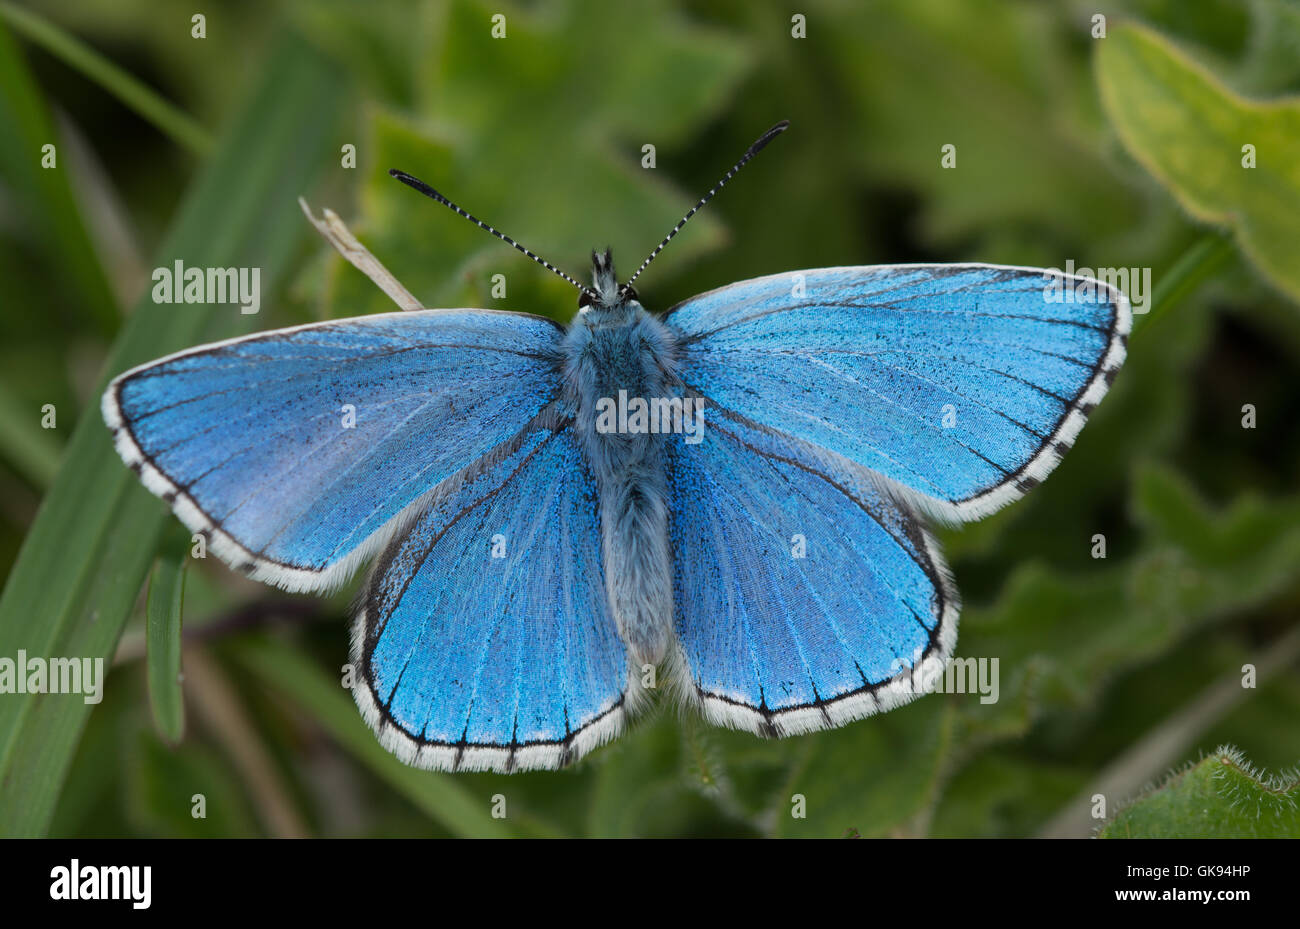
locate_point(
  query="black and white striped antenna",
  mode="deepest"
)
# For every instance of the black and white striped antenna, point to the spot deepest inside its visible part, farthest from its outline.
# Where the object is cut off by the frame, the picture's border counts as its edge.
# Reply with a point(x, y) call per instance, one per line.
point(422, 187)
point(749, 153)
point(417, 184)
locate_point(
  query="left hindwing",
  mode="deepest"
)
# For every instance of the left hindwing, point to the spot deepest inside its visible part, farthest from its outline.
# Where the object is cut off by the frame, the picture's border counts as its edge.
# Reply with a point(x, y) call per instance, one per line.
point(484, 640)
point(963, 383)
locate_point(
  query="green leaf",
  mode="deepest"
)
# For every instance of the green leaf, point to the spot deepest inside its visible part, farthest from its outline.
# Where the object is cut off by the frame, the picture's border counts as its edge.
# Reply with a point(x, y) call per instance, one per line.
point(163, 634)
point(83, 561)
point(1189, 130)
point(441, 796)
point(1218, 797)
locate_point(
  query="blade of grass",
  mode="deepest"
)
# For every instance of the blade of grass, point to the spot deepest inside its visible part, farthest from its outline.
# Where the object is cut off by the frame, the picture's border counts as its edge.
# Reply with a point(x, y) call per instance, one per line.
point(439, 795)
point(1201, 259)
point(32, 451)
point(43, 197)
point(167, 118)
point(163, 634)
point(85, 557)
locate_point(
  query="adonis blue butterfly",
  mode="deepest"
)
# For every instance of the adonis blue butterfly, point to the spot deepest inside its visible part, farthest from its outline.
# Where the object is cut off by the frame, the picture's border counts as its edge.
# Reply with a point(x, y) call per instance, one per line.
point(731, 493)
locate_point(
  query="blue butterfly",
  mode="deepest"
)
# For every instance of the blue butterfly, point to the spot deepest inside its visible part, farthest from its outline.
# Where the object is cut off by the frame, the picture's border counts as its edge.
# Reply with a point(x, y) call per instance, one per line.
point(539, 557)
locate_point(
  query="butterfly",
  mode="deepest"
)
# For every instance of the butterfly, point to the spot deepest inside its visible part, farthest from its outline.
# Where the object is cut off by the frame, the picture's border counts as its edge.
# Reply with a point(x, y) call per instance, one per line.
point(735, 492)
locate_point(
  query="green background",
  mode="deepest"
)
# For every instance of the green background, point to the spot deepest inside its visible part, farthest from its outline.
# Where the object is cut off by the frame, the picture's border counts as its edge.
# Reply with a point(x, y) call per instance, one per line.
point(1122, 151)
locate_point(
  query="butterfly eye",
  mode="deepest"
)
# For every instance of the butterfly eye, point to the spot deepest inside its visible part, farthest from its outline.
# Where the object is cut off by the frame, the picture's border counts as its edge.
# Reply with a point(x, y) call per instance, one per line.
point(629, 293)
point(584, 299)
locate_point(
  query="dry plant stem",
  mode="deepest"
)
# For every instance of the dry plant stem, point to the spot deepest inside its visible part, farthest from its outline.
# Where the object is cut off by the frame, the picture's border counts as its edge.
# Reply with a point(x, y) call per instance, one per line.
point(337, 234)
point(217, 706)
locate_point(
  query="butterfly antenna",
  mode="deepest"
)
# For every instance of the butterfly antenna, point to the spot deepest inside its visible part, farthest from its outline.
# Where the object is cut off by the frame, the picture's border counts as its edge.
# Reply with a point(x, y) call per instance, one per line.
point(750, 152)
point(417, 184)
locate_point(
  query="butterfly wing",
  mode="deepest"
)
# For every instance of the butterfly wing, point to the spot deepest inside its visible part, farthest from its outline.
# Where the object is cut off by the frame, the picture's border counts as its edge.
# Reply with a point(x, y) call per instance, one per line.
point(962, 383)
point(298, 452)
point(473, 662)
point(806, 597)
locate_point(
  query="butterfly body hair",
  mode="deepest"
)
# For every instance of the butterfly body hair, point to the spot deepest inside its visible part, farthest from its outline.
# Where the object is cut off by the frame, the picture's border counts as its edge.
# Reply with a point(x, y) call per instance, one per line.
point(616, 349)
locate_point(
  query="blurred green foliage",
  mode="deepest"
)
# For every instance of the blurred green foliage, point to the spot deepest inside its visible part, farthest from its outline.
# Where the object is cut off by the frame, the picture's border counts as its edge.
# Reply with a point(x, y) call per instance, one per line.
point(1068, 147)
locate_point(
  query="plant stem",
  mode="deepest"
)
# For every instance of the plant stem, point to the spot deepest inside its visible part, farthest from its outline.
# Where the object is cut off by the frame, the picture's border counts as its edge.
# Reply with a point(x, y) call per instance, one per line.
point(1196, 264)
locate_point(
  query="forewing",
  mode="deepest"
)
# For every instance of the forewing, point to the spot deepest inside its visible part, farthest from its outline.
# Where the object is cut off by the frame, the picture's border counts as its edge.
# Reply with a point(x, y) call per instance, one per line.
point(806, 596)
point(484, 639)
point(298, 452)
point(963, 383)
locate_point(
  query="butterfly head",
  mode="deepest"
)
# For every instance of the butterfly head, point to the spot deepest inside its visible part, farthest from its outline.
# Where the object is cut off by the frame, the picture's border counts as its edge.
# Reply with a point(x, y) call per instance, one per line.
point(606, 293)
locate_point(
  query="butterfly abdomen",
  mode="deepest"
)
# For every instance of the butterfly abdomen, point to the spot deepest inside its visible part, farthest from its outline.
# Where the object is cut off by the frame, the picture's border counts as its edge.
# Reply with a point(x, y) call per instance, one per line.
point(616, 357)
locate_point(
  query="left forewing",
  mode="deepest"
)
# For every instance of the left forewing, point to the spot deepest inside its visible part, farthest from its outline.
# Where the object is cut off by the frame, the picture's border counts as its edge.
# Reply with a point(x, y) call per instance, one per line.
point(297, 452)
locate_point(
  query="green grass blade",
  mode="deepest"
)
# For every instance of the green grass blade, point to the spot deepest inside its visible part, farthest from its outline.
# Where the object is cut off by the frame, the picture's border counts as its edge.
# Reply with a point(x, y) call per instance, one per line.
point(439, 795)
point(83, 561)
point(172, 122)
point(42, 197)
point(32, 451)
point(163, 634)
